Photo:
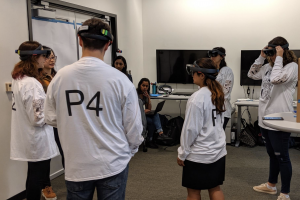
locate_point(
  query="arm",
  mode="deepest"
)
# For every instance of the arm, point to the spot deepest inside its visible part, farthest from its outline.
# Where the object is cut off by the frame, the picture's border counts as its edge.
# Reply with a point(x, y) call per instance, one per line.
point(256, 72)
point(228, 84)
point(148, 104)
point(144, 120)
point(190, 130)
point(50, 107)
point(34, 105)
point(282, 74)
point(132, 121)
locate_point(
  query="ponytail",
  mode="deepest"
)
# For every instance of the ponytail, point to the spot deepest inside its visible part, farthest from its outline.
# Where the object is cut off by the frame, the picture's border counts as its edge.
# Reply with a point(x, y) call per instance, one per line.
point(217, 94)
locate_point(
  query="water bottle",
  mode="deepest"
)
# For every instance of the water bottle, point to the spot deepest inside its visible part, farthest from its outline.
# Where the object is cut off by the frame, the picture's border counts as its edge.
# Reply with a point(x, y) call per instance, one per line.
point(153, 88)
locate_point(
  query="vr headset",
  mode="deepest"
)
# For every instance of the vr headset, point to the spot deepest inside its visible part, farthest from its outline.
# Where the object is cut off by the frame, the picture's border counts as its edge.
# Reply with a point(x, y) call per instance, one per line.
point(209, 73)
point(25, 54)
point(104, 35)
point(214, 53)
point(271, 52)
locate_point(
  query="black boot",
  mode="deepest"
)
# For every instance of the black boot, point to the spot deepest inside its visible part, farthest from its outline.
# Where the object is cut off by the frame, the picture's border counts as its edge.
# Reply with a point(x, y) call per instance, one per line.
point(164, 137)
point(151, 144)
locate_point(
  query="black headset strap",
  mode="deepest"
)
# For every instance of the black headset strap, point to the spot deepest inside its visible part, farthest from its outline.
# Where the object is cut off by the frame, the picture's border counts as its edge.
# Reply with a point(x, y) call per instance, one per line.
point(204, 70)
point(219, 52)
point(103, 35)
point(283, 46)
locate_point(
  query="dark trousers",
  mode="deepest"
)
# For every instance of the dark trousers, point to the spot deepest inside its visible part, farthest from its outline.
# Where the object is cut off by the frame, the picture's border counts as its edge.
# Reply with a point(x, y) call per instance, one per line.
point(226, 119)
point(277, 144)
point(38, 177)
point(111, 188)
point(59, 147)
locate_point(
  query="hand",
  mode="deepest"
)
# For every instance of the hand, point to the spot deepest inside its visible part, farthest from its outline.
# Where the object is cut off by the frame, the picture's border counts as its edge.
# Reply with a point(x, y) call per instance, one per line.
point(262, 54)
point(279, 51)
point(147, 111)
point(180, 162)
point(146, 95)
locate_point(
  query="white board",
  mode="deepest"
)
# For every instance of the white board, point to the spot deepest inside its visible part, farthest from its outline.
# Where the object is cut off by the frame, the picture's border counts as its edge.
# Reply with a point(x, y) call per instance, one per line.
point(58, 35)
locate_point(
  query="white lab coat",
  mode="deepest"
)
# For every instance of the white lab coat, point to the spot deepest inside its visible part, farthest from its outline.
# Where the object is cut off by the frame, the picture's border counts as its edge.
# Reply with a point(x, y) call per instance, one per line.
point(31, 139)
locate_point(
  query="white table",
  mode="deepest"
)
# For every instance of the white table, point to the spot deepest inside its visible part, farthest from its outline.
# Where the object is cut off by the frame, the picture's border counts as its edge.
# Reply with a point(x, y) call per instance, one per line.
point(239, 104)
point(288, 124)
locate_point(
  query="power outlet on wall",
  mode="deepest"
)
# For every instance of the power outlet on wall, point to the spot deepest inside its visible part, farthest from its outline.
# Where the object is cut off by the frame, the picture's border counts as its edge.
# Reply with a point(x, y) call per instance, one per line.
point(8, 87)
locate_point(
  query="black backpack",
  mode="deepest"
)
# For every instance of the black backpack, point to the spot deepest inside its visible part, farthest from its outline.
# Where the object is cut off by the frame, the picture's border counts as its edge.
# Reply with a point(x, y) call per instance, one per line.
point(248, 136)
point(173, 130)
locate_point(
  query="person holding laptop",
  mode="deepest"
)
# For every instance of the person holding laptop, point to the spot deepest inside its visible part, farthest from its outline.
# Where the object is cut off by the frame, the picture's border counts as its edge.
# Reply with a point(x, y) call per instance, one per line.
point(153, 120)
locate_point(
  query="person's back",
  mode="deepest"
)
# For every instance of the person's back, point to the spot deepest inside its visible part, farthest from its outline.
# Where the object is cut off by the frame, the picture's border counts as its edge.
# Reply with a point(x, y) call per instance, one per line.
point(96, 109)
point(210, 144)
point(99, 136)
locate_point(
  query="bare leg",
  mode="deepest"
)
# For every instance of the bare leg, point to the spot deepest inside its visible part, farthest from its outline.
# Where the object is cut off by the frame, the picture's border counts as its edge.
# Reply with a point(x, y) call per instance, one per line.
point(193, 194)
point(216, 193)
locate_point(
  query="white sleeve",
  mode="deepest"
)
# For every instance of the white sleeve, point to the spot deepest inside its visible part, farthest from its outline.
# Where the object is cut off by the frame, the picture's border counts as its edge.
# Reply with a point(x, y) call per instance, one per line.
point(256, 72)
point(228, 84)
point(192, 126)
point(282, 74)
point(34, 100)
point(132, 121)
point(50, 107)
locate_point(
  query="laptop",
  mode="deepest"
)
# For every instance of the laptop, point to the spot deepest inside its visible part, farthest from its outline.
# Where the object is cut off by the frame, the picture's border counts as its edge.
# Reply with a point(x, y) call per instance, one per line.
point(159, 107)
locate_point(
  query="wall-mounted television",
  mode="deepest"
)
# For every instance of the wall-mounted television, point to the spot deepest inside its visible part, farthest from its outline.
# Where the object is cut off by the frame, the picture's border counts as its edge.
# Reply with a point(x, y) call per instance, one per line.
point(247, 59)
point(171, 65)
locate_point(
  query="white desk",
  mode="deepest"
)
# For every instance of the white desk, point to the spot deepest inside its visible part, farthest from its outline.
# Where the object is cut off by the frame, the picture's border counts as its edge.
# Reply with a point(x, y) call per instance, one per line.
point(239, 104)
point(171, 97)
point(288, 124)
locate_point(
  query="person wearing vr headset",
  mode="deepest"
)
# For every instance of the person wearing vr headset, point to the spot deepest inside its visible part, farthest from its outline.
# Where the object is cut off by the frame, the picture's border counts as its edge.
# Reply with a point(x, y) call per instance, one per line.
point(202, 148)
point(225, 78)
point(121, 64)
point(96, 110)
point(32, 140)
point(279, 78)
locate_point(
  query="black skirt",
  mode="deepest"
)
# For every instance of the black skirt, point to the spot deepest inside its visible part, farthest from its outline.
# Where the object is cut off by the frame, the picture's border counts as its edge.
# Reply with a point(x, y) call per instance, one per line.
point(201, 176)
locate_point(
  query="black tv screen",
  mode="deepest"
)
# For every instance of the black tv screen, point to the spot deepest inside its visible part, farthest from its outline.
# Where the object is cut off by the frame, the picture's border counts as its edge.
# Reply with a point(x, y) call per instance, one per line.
point(247, 59)
point(171, 64)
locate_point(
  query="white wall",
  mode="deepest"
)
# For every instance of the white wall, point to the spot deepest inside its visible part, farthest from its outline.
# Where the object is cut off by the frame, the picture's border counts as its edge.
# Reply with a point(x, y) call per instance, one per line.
point(129, 22)
point(203, 24)
point(14, 15)
point(14, 18)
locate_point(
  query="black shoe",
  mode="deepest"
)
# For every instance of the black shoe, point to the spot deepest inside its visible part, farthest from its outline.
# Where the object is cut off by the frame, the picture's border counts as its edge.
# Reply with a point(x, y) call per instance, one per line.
point(164, 137)
point(151, 145)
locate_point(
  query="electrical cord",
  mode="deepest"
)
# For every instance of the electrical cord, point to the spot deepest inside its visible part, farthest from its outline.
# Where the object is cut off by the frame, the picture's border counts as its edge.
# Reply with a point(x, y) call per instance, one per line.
point(244, 92)
point(253, 92)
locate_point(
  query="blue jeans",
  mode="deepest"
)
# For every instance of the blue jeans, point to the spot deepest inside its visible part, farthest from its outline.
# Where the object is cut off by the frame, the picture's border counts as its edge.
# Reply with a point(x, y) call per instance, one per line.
point(277, 144)
point(153, 123)
point(111, 188)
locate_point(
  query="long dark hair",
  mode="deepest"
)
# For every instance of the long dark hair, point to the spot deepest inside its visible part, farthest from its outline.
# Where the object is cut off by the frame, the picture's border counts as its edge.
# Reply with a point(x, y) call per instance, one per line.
point(138, 89)
point(223, 62)
point(288, 55)
point(28, 66)
point(53, 71)
point(217, 94)
point(124, 70)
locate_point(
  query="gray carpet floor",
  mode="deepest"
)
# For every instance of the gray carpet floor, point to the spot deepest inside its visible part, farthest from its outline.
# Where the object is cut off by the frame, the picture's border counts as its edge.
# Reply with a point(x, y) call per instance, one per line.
point(155, 175)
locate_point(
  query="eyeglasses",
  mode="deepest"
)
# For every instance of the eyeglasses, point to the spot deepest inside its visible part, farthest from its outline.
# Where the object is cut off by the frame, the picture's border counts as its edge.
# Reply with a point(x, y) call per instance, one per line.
point(52, 58)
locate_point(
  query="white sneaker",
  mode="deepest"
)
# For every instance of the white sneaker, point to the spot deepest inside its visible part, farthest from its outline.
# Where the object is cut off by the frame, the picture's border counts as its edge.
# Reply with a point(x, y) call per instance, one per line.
point(264, 189)
point(282, 197)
